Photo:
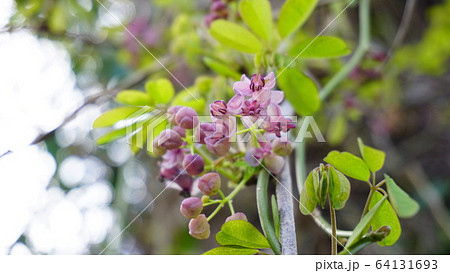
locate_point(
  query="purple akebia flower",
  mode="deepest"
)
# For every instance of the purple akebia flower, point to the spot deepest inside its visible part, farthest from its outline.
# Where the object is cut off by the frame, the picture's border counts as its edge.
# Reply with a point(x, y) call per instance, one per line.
point(172, 158)
point(203, 131)
point(199, 227)
point(193, 164)
point(275, 122)
point(247, 87)
point(218, 142)
point(191, 207)
point(169, 139)
point(186, 117)
point(273, 162)
point(237, 216)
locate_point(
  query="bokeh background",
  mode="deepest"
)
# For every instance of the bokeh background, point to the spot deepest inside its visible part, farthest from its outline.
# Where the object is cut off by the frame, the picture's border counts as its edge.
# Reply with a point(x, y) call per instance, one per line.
point(60, 60)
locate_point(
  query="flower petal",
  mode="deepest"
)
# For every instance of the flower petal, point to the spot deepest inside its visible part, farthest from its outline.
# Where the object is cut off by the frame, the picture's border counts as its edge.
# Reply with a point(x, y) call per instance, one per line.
point(242, 87)
point(234, 106)
point(269, 81)
point(276, 97)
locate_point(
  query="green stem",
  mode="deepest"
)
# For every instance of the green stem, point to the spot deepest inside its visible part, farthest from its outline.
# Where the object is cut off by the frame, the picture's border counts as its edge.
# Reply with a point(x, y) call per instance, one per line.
point(363, 46)
point(369, 198)
point(262, 203)
point(228, 198)
point(333, 229)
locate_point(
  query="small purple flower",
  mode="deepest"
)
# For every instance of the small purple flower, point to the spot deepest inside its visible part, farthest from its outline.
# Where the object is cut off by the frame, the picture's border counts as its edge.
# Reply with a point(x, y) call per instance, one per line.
point(218, 143)
point(254, 156)
point(257, 82)
point(193, 164)
point(203, 131)
point(169, 139)
point(199, 227)
point(218, 108)
point(158, 150)
point(191, 207)
point(172, 158)
point(237, 216)
point(186, 118)
point(171, 112)
point(247, 87)
point(185, 182)
point(209, 184)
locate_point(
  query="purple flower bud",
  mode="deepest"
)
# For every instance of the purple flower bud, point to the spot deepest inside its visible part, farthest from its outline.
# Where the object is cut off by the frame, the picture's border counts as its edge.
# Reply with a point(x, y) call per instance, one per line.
point(203, 131)
point(218, 143)
point(209, 18)
point(282, 148)
point(158, 150)
point(193, 164)
point(218, 108)
point(209, 184)
point(257, 82)
point(169, 173)
point(274, 163)
point(237, 216)
point(218, 6)
point(186, 118)
point(169, 139)
point(199, 227)
point(179, 130)
point(191, 207)
point(185, 182)
point(171, 112)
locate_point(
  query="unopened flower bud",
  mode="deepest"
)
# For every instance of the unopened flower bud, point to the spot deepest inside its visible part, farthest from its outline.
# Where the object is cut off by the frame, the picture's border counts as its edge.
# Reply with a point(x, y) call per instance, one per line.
point(209, 184)
point(169, 139)
point(203, 131)
point(199, 227)
point(158, 150)
point(191, 207)
point(274, 163)
point(237, 216)
point(193, 164)
point(171, 112)
point(205, 199)
point(185, 182)
point(179, 130)
point(186, 118)
point(282, 148)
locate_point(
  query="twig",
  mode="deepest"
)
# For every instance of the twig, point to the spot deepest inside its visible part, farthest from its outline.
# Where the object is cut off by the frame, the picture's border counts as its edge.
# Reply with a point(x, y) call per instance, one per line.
point(288, 237)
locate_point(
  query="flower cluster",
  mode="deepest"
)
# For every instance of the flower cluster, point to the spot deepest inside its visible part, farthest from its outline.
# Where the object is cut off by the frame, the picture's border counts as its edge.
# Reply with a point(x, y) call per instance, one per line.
point(185, 163)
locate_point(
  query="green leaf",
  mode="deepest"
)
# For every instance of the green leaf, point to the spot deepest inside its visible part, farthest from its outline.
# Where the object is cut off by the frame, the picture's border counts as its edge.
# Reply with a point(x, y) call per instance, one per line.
point(374, 158)
point(321, 47)
point(363, 225)
point(276, 216)
point(385, 216)
point(308, 199)
point(220, 68)
point(348, 164)
point(109, 118)
point(231, 250)
point(339, 188)
point(160, 91)
point(323, 189)
point(257, 14)
point(235, 36)
point(111, 136)
point(300, 90)
point(241, 233)
point(133, 97)
point(404, 205)
point(293, 14)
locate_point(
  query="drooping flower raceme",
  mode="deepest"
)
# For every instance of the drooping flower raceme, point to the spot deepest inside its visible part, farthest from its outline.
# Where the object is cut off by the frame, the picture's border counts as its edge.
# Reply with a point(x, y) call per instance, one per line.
point(257, 106)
